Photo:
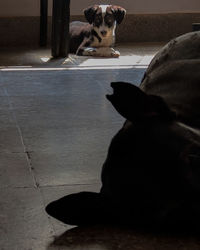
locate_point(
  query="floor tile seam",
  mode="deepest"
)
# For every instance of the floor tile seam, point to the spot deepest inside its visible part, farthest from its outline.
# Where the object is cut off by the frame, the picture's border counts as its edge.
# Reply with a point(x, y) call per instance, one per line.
point(28, 159)
point(50, 186)
point(51, 224)
point(69, 185)
point(43, 152)
point(6, 151)
point(64, 152)
point(42, 203)
point(3, 187)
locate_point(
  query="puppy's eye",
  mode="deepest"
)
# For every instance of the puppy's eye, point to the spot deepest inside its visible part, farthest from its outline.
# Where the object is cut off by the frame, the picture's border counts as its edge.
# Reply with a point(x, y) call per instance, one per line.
point(109, 20)
point(98, 20)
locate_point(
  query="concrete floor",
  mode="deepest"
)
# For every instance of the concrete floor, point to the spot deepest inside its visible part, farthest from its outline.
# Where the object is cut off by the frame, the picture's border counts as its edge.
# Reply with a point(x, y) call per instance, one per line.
point(55, 128)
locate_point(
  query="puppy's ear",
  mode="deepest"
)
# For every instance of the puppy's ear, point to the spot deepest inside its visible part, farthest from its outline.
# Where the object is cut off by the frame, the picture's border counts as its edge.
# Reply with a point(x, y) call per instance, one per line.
point(133, 104)
point(90, 13)
point(118, 12)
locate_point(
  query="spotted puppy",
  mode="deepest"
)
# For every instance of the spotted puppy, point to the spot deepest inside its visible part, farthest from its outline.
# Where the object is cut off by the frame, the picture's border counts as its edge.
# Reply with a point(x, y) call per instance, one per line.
point(96, 37)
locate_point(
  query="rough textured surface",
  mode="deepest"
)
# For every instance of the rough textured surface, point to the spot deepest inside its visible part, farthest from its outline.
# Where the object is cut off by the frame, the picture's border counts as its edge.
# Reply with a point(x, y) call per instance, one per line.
point(55, 127)
point(175, 67)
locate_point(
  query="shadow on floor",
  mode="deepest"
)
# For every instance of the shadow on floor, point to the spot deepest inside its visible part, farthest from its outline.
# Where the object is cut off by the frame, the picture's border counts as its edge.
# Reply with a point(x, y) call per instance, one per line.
point(35, 57)
point(122, 238)
point(131, 54)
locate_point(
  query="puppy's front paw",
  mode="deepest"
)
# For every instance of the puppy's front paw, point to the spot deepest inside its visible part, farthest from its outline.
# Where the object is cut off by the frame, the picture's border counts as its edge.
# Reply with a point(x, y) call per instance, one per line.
point(89, 52)
point(115, 53)
point(107, 52)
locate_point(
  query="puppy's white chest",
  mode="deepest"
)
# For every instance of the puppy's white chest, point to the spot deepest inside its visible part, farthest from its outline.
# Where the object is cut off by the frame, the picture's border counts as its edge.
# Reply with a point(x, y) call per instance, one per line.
point(105, 42)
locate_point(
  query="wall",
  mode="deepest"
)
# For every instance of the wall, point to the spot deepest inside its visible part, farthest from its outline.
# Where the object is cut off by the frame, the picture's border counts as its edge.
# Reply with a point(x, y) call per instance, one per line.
point(11, 8)
point(146, 20)
point(144, 6)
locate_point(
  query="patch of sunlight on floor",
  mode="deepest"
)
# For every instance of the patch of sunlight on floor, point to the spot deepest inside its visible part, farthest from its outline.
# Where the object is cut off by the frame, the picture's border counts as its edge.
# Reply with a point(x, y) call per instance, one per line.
point(132, 55)
point(122, 60)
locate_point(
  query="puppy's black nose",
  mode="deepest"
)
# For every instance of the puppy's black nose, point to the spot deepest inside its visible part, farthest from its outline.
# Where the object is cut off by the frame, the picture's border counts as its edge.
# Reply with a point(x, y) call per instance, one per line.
point(103, 32)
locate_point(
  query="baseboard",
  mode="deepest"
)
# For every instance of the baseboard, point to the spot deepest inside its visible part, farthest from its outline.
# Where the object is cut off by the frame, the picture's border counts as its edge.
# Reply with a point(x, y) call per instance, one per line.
point(16, 31)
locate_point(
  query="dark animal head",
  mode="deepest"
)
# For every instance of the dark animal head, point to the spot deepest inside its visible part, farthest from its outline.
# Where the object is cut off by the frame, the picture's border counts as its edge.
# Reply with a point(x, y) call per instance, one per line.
point(133, 104)
point(153, 154)
point(104, 17)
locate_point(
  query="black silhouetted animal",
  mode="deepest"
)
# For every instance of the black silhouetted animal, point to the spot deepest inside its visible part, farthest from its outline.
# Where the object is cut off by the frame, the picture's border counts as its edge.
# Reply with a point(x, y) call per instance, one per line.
point(151, 176)
point(96, 37)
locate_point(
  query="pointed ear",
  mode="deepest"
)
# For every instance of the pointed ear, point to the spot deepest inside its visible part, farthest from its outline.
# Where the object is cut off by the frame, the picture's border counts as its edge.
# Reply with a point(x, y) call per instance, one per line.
point(90, 13)
point(133, 104)
point(118, 12)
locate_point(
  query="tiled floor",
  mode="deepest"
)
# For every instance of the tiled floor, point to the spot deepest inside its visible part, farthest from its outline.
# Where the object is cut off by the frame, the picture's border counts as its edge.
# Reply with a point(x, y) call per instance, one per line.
point(55, 128)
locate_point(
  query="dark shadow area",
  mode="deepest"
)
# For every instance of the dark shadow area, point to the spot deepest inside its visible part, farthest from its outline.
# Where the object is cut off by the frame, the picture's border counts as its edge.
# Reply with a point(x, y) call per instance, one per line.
point(106, 237)
point(24, 56)
point(34, 56)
